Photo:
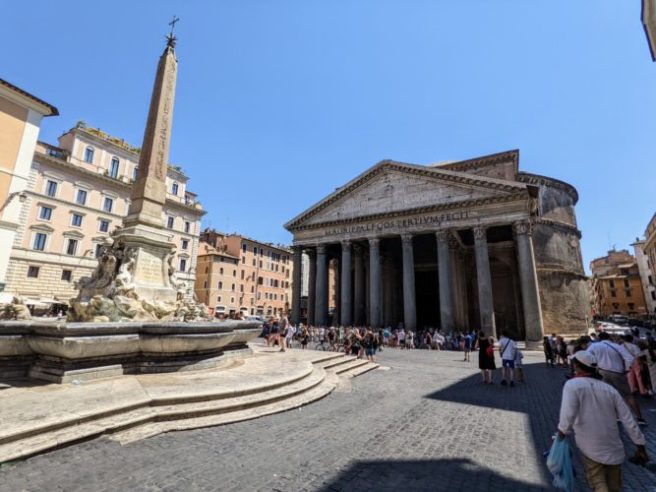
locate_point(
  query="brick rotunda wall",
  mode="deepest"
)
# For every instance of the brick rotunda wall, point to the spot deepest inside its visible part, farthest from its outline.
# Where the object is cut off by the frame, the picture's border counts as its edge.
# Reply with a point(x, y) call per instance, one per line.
point(556, 240)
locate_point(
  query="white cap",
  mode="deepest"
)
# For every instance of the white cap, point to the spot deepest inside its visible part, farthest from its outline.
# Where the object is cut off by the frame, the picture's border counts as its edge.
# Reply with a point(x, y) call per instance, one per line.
point(586, 358)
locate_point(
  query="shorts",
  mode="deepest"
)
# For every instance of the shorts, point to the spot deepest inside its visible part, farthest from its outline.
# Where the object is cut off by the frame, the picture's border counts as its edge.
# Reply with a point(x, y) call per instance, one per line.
point(369, 352)
point(508, 364)
point(617, 381)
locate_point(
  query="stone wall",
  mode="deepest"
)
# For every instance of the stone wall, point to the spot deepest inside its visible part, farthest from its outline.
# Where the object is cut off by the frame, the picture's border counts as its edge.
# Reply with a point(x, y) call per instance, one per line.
point(564, 290)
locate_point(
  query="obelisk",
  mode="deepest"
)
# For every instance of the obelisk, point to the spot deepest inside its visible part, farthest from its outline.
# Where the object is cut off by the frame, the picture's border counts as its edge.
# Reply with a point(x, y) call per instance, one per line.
point(143, 229)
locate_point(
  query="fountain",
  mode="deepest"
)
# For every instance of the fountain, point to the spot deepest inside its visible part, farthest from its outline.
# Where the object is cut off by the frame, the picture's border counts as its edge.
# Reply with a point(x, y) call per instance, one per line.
point(132, 315)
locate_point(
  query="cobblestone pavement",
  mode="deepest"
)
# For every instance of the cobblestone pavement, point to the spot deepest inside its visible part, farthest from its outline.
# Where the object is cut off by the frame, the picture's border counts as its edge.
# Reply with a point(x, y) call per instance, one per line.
point(424, 424)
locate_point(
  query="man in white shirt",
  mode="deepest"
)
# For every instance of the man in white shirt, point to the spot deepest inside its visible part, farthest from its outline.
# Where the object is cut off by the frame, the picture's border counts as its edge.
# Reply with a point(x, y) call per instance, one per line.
point(508, 351)
point(613, 363)
point(591, 408)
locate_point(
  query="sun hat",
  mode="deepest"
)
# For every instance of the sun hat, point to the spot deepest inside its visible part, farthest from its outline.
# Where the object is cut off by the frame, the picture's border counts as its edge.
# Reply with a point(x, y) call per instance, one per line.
point(586, 358)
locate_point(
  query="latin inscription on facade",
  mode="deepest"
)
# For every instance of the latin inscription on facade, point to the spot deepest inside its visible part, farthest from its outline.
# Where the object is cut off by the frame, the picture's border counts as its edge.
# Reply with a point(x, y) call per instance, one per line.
point(398, 224)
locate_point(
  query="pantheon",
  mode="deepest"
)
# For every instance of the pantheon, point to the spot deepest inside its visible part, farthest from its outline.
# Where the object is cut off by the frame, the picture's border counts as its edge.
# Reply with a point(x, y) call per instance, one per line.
point(468, 245)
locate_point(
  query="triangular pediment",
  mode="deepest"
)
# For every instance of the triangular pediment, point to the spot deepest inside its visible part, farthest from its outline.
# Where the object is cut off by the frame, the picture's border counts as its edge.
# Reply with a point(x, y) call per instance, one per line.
point(391, 187)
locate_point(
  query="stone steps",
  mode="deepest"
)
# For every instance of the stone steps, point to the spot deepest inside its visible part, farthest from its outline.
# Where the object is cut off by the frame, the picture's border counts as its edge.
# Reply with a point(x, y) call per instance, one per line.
point(177, 410)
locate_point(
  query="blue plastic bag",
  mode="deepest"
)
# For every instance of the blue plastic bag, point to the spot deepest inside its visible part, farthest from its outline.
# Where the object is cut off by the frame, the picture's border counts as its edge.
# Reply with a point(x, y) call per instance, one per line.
point(560, 465)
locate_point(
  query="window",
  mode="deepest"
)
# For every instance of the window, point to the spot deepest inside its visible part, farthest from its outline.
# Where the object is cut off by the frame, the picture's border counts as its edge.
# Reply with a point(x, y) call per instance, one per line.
point(67, 275)
point(185, 244)
point(99, 250)
point(612, 284)
point(233, 287)
point(613, 293)
point(218, 298)
point(187, 227)
point(628, 292)
point(232, 300)
point(254, 262)
point(183, 264)
point(254, 250)
point(174, 189)
point(39, 241)
point(33, 272)
point(626, 282)
point(81, 197)
point(51, 188)
point(108, 204)
point(113, 168)
point(220, 285)
point(221, 271)
point(103, 225)
point(88, 155)
point(45, 213)
point(76, 220)
point(169, 222)
point(134, 173)
point(71, 247)
point(244, 247)
point(241, 287)
point(631, 306)
point(243, 273)
point(653, 295)
point(243, 260)
point(234, 273)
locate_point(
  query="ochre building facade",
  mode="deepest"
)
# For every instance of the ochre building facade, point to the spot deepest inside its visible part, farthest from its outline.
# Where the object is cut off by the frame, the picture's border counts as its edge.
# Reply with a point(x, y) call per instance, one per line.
point(617, 286)
point(476, 244)
point(240, 274)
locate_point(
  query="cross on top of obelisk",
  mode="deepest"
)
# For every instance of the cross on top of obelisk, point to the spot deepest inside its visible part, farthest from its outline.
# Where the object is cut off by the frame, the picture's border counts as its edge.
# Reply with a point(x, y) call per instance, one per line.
point(171, 38)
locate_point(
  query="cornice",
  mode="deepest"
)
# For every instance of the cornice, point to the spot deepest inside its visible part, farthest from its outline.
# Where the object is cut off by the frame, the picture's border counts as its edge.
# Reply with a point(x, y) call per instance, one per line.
point(537, 179)
point(46, 159)
point(28, 100)
point(418, 210)
point(558, 225)
point(405, 168)
point(469, 164)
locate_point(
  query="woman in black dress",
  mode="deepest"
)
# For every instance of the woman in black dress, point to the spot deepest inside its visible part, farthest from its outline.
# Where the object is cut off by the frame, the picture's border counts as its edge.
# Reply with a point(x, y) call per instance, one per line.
point(486, 357)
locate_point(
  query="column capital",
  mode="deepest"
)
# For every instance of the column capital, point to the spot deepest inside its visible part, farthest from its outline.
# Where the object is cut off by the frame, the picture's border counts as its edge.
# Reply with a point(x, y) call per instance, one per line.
point(480, 232)
point(443, 235)
point(346, 243)
point(357, 249)
point(321, 249)
point(406, 238)
point(522, 227)
point(374, 242)
point(297, 250)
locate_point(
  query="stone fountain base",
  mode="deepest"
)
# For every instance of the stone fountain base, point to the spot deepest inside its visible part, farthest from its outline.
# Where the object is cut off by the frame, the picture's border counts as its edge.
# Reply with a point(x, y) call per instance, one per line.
point(63, 352)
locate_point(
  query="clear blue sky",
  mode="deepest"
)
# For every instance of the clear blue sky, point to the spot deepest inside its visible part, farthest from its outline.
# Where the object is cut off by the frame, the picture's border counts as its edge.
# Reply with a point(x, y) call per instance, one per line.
point(279, 102)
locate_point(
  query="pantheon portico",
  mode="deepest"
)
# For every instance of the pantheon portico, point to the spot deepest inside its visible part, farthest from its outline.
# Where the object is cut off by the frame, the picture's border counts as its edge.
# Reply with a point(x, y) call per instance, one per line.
point(475, 244)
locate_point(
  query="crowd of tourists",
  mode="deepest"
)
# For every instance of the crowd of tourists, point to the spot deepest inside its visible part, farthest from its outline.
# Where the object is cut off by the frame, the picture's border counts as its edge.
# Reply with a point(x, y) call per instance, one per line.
point(606, 376)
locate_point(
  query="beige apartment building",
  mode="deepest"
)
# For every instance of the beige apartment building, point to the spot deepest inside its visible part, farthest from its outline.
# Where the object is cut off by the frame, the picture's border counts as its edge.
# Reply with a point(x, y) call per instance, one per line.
point(20, 121)
point(78, 193)
point(616, 285)
point(240, 274)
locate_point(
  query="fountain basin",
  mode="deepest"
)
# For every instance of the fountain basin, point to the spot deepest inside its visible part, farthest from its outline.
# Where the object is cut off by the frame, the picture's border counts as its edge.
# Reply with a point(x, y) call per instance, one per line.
point(59, 351)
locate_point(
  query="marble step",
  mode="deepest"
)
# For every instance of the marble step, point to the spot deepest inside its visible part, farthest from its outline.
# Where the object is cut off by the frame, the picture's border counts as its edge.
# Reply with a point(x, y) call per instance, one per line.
point(9, 435)
point(360, 370)
point(334, 363)
point(126, 422)
point(152, 429)
point(348, 366)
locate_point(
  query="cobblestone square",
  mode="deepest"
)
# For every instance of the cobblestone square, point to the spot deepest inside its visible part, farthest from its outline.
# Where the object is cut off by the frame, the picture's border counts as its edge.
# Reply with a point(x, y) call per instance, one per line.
point(424, 424)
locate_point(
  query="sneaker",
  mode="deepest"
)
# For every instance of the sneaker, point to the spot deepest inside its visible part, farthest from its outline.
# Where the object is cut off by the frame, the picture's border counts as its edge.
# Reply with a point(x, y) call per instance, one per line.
point(512, 384)
point(504, 382)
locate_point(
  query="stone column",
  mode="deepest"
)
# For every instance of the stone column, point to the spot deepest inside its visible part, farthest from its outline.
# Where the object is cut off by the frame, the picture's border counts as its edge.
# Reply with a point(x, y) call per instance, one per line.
point(529, 282)
point(358, 287)
point(409, 298)
point(347, 296)
point(312, 286)
point(485, 299)
point(375, 284)
point(444, 278)
point(297, 279)
point(337, 313)
point(321, 303)
point(388, 293)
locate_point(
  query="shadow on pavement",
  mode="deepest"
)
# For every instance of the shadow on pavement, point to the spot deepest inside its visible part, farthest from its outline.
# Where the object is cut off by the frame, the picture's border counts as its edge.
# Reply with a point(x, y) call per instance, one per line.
point(417, 475)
